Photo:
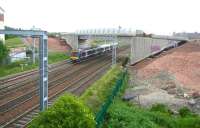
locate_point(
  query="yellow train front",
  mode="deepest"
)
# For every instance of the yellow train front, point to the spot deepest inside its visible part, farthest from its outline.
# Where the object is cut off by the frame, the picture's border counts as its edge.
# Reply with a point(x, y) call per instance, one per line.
point(74, 56)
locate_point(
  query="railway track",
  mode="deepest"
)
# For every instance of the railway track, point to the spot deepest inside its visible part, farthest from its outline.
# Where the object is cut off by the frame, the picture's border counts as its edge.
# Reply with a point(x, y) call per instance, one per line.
point(25, 93)
point(23, 120)
point(25, 86)
point(11, 82)
point(30, 96)
point(10, 104)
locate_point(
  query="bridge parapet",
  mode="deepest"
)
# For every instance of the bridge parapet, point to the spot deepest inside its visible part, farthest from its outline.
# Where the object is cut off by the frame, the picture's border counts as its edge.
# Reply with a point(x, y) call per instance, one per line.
point(109, 32)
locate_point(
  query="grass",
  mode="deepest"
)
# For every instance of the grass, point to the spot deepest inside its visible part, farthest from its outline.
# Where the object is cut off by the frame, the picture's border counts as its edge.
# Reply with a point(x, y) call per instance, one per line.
point(16, 67)
point(56, 57)
point(14, 42)
point(96, 95)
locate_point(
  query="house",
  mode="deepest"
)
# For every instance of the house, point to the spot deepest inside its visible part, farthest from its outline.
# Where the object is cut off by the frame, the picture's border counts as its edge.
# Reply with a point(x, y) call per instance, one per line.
point(2, 36)
point(17, 54)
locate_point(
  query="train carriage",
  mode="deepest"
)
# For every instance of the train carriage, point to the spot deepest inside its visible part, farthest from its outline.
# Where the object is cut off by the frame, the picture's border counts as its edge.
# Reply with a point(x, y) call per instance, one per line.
point(81, 54)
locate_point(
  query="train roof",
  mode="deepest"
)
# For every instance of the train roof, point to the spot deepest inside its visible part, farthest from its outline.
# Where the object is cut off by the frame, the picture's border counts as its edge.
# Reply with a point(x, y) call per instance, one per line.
point(100, 46)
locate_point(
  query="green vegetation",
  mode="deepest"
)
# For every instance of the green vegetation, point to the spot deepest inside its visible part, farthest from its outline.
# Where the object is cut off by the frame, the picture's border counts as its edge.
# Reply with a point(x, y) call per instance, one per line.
point(14, 42)
point(96, 95)
point(185, 112)
point(10, 37)
point(123, 114)
point(71, 112)
point(56, 57)
point(3, 51)
point(16, 67)
point(161, 108)
point(67, 112)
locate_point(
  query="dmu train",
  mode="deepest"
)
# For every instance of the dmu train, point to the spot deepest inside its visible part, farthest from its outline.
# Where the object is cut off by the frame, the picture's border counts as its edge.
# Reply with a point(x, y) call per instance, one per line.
point(82, 54)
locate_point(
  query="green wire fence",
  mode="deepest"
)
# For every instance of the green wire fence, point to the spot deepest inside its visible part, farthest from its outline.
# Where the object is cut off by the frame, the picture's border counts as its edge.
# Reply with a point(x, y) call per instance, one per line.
point(101, 114)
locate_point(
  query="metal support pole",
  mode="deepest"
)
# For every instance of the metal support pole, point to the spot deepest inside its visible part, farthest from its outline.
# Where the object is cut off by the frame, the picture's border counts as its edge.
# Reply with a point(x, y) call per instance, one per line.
point(43, 51)
point(33, 50)
point(114, 52)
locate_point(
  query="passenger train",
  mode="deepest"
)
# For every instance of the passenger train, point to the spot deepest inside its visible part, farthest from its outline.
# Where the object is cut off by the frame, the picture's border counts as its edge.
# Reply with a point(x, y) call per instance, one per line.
point(81, 54)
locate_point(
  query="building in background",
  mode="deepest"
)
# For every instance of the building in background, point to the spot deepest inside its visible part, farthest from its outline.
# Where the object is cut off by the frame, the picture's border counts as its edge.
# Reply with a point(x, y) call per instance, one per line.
point(2, 36)
point(192, 35)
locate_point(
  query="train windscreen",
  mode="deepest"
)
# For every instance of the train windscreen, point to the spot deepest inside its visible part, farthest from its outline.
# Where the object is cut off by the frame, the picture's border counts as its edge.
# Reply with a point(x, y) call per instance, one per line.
point(74, 54)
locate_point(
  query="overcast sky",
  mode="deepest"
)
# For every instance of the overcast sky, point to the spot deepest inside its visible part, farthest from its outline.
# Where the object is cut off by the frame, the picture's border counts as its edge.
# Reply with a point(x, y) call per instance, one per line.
point(152, 16)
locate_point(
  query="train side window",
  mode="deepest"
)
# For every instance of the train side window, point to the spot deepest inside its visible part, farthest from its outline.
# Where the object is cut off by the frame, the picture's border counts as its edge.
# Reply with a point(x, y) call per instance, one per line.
point(99, 50)
point(83, 54)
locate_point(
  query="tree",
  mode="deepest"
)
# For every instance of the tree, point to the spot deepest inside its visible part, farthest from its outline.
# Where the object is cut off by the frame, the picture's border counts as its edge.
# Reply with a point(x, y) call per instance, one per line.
point(67, 112)
point(3, 51)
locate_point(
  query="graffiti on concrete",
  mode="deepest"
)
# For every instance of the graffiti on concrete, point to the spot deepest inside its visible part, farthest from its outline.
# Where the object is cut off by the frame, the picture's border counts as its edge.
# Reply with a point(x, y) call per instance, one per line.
point(155, 48)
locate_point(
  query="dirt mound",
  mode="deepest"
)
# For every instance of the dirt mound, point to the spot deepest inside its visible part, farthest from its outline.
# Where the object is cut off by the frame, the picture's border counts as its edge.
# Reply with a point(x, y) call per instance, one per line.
point(171, 78)
point(54, 44)
point(182, 62)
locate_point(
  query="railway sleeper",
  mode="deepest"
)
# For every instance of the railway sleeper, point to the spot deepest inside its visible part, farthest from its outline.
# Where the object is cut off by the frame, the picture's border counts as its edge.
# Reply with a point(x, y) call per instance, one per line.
point(24, 122)
point(30, 115)
point(26, 119)
point(34, 113)
point(18, 125)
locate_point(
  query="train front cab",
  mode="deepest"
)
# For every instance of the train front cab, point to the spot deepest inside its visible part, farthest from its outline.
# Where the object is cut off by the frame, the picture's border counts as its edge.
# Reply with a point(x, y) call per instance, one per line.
point(74, 56)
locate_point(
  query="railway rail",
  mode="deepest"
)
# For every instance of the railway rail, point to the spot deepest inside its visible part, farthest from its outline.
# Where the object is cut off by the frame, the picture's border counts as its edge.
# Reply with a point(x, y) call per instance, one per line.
point(11, 81)
point(19, 104)
point(10, 104)
point(23, 120)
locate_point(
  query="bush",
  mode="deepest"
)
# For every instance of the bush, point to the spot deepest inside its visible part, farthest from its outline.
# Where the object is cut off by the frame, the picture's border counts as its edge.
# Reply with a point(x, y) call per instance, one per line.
point(161, 108)
point(121, 115)
point(183, 112)
point(3, 51)
point(161, 119)
point(189, 122)
point(67, 112)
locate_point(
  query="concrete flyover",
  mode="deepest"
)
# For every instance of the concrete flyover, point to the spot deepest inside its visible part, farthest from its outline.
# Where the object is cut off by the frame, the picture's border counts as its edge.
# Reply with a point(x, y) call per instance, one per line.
point(123, 37)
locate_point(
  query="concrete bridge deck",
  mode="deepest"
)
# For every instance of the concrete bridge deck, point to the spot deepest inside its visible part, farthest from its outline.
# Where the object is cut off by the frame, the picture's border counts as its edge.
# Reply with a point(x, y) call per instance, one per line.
point(73, 39)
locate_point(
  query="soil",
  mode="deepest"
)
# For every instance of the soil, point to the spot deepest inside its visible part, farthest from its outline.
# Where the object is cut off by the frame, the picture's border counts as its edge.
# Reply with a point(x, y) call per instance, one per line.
point(171, 78)
point(54, 44)
point(183, 63)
